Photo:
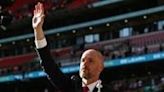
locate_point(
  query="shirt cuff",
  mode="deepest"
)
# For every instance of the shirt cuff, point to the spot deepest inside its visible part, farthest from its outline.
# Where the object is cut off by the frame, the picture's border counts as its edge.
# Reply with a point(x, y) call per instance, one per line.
point(41, 43)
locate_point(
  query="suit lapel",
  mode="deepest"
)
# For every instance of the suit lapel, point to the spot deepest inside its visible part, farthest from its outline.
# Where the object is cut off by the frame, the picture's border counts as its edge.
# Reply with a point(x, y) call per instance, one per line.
point(95, 89)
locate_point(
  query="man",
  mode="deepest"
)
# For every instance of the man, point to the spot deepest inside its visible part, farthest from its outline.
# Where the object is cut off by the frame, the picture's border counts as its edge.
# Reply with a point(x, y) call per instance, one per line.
point(90, 67)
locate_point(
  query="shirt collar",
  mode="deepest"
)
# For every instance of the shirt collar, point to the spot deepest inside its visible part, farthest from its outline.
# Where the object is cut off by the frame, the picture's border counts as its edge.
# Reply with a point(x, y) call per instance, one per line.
point(91, 86)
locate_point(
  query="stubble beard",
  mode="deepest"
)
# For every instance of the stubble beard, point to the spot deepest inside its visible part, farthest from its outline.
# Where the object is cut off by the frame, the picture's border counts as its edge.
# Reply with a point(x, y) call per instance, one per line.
point(85, 74)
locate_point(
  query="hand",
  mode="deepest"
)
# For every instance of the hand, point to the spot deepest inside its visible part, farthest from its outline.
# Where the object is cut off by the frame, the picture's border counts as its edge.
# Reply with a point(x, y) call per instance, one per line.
point(38, 18)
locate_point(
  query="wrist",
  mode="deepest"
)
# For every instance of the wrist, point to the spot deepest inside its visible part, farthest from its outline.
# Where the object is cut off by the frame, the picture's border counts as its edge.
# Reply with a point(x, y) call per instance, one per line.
point(39, 34)
point(38, 29)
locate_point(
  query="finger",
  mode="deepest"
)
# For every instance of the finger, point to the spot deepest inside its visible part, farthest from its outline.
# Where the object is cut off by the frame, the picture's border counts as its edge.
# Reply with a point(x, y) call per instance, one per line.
point(37, 7)
point(39, 3)
point(34, 12)
point(41, 8)
point(43, 16)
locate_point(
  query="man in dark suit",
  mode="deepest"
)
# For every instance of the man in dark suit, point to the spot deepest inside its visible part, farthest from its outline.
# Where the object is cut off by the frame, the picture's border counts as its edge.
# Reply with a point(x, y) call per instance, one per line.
point(91, 64)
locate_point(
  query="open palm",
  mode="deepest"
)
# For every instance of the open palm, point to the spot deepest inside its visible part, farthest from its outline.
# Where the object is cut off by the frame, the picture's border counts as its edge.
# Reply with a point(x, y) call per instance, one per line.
point(38, 17)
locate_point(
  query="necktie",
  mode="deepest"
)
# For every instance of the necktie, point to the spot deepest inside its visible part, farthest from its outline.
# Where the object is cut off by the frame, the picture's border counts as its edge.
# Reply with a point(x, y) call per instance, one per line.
point(85, 89)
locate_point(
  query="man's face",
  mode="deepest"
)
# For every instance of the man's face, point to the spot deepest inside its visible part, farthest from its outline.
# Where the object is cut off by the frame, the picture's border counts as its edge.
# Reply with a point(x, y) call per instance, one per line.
point(91, 64)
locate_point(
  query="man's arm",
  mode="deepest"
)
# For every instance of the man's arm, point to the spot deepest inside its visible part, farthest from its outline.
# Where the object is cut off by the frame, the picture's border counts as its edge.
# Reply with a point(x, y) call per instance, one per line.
point(49, 66)
point(54, 74)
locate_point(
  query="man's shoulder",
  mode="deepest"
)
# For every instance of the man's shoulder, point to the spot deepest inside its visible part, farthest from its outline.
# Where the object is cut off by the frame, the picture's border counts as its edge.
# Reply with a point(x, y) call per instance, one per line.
point(107, 88)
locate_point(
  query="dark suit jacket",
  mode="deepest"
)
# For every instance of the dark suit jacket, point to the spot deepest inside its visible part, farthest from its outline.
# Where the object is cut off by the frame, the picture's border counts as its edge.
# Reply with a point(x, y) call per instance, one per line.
point(57, 78)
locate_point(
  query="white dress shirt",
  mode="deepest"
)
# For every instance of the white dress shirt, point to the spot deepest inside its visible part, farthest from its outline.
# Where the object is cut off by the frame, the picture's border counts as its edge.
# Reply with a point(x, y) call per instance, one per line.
point(91, 86)
point(40, 43)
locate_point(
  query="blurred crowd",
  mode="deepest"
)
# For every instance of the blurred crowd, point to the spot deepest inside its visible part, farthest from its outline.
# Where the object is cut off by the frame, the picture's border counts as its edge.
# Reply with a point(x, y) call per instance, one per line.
point(151, 83)
point(111, 49)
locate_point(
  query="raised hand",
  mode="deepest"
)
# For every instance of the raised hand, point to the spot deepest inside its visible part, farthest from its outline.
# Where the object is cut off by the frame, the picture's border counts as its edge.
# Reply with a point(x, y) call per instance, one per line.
point(38, 18)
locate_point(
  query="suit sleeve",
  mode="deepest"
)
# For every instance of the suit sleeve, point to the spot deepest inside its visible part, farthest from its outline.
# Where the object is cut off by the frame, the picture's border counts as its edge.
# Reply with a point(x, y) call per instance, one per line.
point(54, 73)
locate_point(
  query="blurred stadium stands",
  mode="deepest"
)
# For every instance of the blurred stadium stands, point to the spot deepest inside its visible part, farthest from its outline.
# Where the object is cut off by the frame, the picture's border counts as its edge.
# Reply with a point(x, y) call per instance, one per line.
point(128, 32)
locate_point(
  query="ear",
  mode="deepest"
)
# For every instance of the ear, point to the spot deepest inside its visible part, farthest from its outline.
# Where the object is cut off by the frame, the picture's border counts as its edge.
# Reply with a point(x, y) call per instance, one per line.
point(101, 67)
